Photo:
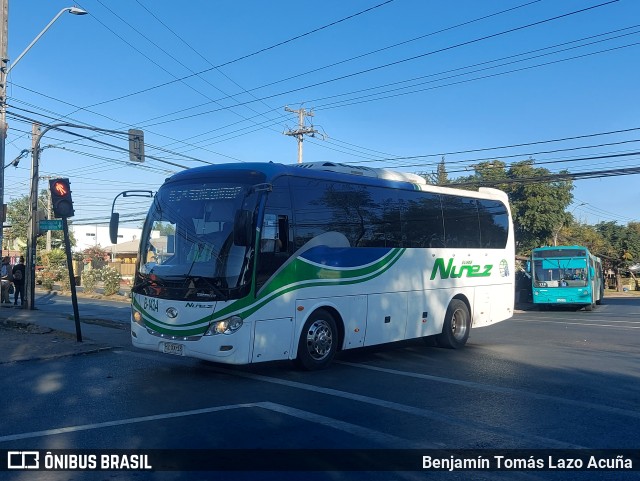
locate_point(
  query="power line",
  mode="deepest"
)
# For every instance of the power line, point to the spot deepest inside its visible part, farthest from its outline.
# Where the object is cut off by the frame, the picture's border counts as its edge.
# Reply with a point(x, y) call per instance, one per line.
point(201, 147)
point(257, 52)
point(379, 67)
point(556, 177)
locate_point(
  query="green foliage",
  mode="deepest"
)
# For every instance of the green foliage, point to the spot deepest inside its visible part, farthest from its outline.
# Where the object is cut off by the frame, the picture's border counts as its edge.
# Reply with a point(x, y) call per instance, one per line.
point(582, 235)
point(90, 279)
point(111, 278)
point(442, 177)
point(18, 217)
point(622, 243)
point(54, 270)
point(165, 228)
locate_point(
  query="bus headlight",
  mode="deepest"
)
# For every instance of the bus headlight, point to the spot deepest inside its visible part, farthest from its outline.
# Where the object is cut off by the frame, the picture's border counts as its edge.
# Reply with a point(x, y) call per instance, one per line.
point(225, 326)
point(137, 317)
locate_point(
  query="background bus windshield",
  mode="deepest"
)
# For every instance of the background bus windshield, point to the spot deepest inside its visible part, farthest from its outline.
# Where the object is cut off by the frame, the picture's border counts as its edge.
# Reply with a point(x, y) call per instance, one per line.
point(560, 272)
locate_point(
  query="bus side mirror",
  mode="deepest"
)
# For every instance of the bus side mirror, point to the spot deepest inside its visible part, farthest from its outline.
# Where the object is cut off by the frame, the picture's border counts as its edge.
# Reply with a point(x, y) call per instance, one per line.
point(242, 228)
point(527, 267)
point(115, 217)
point(113, 227)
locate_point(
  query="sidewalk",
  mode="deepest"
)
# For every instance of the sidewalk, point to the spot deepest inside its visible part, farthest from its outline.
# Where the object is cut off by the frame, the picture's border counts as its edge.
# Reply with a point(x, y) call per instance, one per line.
point(33, 335)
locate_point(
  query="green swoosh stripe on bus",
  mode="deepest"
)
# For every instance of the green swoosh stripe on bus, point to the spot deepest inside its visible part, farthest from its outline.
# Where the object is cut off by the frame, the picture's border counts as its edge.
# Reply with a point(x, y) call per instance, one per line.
point(307, 275)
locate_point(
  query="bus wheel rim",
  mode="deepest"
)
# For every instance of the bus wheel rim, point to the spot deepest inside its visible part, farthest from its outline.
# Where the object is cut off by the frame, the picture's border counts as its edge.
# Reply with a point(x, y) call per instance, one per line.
point(458, 324)
point(319, 339)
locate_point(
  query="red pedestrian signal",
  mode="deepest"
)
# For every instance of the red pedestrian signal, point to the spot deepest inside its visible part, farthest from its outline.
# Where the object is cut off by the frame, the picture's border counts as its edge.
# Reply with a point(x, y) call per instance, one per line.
point(61, 198)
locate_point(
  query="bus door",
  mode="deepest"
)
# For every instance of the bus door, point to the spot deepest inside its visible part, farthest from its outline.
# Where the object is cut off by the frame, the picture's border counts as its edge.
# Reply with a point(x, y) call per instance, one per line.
point(276, 244)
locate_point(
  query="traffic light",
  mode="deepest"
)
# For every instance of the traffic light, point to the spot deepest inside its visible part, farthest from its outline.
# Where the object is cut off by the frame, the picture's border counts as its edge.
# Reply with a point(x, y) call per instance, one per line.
point(61, 198)
point(136, 145)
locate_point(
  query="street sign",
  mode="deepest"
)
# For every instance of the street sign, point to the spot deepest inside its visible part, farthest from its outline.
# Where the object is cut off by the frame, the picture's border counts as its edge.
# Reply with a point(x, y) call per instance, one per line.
point(50, 224)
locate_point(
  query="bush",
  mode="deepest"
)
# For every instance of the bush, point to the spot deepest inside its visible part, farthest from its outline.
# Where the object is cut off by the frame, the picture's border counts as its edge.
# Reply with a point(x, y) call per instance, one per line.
point(90, 279)
point(54, 270)
point(111, 278)
point(47, 279)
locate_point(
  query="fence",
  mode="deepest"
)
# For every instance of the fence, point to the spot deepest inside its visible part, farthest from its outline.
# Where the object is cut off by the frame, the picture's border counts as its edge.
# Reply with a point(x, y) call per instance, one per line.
point(123, 268)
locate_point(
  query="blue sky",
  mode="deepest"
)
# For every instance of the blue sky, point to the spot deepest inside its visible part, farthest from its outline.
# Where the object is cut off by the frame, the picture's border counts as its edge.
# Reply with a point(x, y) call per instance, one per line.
point(394, 84)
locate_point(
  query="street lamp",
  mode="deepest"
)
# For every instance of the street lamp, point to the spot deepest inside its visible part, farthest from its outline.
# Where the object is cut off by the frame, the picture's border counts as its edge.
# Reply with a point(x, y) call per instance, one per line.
point(4, 72)
point(557, 232)
point(72, 10)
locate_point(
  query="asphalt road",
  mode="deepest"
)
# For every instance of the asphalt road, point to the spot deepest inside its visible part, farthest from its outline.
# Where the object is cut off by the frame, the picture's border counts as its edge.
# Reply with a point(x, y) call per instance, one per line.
point(542, 380)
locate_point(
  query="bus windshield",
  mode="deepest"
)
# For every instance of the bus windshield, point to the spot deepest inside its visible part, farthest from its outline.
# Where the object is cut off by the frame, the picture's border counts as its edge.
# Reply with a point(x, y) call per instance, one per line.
point(187, 249)
point(560, 272)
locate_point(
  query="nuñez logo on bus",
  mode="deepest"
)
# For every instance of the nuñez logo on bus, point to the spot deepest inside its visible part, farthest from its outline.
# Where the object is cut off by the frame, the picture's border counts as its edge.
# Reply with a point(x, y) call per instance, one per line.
point(471, 270)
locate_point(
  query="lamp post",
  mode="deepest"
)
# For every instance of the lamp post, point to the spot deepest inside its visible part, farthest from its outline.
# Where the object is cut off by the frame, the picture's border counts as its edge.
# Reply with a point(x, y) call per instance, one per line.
point(4, 72)
point(557, 232)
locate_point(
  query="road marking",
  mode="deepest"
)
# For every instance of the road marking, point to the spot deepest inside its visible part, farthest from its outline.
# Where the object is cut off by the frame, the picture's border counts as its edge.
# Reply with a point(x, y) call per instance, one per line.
point(406, 409)
point(424, 413)
point(500, 390)
point(382, 439)
point(583, 323)
point(117, 422)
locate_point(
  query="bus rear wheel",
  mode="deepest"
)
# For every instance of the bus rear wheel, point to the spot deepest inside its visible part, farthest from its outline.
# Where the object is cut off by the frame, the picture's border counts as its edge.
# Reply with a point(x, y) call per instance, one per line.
point(456, 327)
point(318, 341)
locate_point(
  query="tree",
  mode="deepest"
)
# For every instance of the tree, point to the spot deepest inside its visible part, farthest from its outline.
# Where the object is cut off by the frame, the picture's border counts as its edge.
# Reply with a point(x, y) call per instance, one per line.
point(579, 234)
point(622, 247)
point(442, 177)
point(18, 217)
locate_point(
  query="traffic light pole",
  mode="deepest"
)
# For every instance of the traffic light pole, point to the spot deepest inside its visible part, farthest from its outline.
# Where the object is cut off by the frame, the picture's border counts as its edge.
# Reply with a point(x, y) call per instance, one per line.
point(72, 279)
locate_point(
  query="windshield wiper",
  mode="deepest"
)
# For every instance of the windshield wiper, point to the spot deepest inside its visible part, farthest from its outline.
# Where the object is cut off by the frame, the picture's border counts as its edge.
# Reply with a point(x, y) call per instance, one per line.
point(187, 278)
point(217, 290)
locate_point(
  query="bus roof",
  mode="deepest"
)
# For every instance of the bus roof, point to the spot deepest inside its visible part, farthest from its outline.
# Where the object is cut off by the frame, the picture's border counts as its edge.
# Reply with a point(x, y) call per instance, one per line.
point(336, 172)
point(546, 248)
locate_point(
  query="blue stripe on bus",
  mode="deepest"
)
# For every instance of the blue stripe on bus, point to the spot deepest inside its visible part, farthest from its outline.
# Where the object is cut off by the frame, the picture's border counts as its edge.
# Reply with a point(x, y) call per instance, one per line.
point(344, 256)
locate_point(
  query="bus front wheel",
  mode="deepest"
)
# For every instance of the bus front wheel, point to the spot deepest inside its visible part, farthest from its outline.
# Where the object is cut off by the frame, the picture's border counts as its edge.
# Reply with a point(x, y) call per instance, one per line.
point(318, 341)
point(456, 327)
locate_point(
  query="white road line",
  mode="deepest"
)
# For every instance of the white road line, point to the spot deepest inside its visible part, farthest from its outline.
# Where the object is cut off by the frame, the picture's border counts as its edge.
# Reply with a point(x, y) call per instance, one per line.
point(428, 414)
point(381, 438)
point(406, 409)
point(501, 390)
point(118, 422)
point(583, 323)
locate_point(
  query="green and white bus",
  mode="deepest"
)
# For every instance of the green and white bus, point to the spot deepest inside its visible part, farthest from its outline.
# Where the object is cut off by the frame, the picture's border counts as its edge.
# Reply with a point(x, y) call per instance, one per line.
point(566, 275)
point(245, 263)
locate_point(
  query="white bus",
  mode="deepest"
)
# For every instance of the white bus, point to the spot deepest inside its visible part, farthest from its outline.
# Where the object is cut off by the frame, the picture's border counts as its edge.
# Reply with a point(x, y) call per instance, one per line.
point(245, 263)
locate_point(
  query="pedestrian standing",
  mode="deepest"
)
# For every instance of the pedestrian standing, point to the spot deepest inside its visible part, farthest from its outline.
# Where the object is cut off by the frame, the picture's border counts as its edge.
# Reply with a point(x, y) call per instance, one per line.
point(7, 276)
point(18, 272)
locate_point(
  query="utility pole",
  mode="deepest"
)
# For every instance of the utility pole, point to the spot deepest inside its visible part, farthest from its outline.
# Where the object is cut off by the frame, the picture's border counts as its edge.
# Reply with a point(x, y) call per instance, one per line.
point(302, 129)
point(4, 60)
point(30, 273)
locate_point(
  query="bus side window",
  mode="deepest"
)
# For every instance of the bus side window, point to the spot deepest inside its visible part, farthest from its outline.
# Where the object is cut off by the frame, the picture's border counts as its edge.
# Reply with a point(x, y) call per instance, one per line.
point(274, 234)
point(274, 246)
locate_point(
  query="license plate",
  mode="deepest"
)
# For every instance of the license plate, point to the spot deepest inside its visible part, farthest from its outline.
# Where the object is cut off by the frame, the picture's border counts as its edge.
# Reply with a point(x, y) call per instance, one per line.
point(173, 348)
point(562, 300)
